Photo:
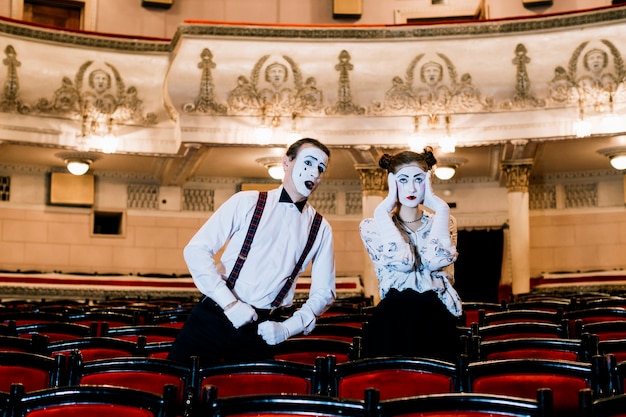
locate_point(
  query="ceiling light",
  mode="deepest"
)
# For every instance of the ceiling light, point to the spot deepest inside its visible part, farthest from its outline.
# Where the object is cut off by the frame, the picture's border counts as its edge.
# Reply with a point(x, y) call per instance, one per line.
point(446, 167)
point(78, 166)
point(274, 166)
point(276, 171)
point(77, 163)
point(616, 155)
point(619, 162)
point(445, 172)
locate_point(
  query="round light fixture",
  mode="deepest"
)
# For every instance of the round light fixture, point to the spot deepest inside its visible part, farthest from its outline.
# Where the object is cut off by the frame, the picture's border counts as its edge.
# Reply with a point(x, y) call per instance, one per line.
point(446, 167)
point(276, 171)
point(274, 166)
point(616, 155)
point(444, 173)
point(78, 167)
point(77, 163)
point(619, 162)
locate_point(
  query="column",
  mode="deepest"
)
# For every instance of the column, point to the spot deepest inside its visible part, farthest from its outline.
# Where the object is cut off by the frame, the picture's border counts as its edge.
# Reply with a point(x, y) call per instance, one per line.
point(517, 175)
point(374, 188)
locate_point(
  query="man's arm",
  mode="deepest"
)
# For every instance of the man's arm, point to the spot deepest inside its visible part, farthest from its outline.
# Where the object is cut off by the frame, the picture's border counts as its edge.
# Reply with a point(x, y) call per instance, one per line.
point(321, 295)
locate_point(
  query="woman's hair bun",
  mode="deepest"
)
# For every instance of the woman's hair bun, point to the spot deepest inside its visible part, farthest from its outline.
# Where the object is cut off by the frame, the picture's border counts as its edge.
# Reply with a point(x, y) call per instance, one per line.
point(385, 161)
point(429, 157)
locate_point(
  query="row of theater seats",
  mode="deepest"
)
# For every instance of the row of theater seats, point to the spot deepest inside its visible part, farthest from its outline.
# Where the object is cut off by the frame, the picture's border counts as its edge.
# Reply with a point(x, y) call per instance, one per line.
point(573, 385)
point(587, 378)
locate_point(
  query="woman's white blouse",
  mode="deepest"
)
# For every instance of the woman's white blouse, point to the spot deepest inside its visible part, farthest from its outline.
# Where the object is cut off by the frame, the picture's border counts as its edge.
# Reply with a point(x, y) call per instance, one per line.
point(413, 260)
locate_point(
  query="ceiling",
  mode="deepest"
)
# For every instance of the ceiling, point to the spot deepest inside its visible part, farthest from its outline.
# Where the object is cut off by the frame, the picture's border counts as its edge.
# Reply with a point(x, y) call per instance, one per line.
point(189, 108)
point(483, 162)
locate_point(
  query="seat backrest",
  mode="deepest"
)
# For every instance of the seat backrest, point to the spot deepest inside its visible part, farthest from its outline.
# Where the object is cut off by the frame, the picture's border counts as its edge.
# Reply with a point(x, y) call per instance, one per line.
point(611, 406)
point(594, 315)
point(520, 330)
point(16, 344)
point(545, 303)
point(606, 330)
point(94, 401)
point(393, 377)
point(154, 349)
point(307, 349)
point(277, 404)
point(29, 317)
point(152, 332)
point(531, 347)
point(58, 330)
point(260, 377)
point(522, 377)
point(8, 328)
point(471, 311)
point(521, 315)
point(616, 347)
point(105, 318)
point(146, 374)
point(31, 370)
point(339, 331)
point(169, 318)
point(355, 320)
point(468, 405)
point(93, 348)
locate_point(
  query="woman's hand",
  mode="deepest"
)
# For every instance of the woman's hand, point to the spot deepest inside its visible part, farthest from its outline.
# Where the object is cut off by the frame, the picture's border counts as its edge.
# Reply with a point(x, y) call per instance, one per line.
point(431, 200)
point(441, 222)
point(389, 203)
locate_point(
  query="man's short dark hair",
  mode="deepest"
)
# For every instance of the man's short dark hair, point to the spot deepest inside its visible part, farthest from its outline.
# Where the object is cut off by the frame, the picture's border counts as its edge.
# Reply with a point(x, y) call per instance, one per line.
point(293, 149)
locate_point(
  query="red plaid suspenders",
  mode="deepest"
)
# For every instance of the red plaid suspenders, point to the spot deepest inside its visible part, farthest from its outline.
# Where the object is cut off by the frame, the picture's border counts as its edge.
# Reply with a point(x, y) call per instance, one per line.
point(245, 248)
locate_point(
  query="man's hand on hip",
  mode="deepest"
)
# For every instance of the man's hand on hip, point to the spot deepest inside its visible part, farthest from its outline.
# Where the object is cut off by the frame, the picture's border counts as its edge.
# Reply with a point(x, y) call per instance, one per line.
point(240, 313)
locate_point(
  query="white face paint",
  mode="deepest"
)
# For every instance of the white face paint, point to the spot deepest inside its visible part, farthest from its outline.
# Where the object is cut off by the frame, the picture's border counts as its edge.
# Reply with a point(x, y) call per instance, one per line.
point(411, 185)
point(308, 169)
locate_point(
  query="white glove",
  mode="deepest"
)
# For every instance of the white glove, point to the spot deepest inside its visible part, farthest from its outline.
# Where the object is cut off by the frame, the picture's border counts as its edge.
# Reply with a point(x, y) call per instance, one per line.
point(387, 228)
point(431, 200)
point(388, 204)
point(273, 332)
point(240, 313)
point(441, 222)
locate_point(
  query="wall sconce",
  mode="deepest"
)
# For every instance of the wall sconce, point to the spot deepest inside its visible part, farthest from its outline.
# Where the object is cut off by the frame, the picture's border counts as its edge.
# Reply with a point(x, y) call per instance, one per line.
point(446, 167)
point(77, 163)
point(616, 155)
point(274, 166)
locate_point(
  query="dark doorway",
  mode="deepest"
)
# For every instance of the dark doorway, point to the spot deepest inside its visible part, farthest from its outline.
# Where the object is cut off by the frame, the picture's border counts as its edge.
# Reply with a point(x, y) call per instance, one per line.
point(478, 268)
point(64, 14)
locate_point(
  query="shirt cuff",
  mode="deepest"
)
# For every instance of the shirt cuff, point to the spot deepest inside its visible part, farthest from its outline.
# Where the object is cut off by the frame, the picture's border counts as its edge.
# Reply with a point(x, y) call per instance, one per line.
point(294, 325)
point(223, 297)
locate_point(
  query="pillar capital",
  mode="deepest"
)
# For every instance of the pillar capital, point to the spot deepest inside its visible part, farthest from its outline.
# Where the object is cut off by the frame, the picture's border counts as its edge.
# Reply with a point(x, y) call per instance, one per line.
point(373, 180)
point(517, 174)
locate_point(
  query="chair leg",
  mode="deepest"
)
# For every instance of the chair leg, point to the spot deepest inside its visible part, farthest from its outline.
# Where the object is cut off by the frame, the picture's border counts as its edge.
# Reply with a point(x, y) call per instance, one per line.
point(585, 402)
point(545, 399)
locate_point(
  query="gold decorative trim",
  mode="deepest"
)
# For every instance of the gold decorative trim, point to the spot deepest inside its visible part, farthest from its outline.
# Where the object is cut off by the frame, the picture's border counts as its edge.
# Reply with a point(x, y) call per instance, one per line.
point(86, 40)
point(406, 32)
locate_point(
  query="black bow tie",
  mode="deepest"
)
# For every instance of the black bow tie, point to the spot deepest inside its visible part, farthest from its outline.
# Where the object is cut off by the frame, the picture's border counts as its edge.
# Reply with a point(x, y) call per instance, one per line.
point(284, 198)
